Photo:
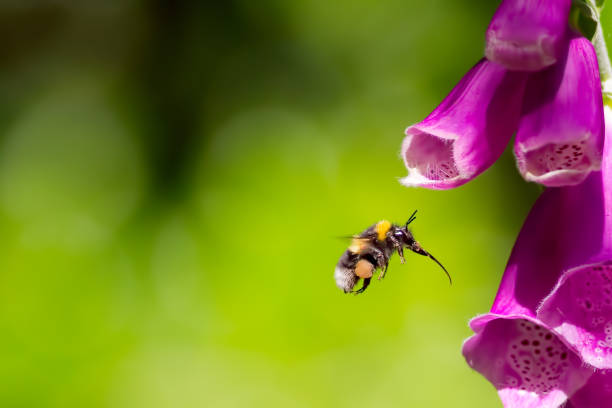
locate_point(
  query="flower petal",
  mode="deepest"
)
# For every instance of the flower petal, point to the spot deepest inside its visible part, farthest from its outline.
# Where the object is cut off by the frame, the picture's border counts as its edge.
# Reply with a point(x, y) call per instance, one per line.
point(561, 131)
point(563, 230)
point(597, 393)
point(580, 309)
point(467, 132)
point(527, 35)
point(528, 364)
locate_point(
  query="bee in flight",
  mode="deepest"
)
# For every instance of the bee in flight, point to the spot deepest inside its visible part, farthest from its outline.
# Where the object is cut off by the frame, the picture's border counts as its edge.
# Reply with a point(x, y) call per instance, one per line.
point(372, 249)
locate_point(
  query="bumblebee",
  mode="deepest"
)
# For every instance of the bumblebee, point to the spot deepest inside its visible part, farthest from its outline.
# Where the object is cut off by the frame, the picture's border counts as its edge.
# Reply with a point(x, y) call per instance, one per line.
point(372, 249)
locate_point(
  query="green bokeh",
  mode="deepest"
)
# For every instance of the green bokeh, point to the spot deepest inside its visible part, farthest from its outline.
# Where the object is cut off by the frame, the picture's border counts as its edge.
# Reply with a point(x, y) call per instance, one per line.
point(175, 180)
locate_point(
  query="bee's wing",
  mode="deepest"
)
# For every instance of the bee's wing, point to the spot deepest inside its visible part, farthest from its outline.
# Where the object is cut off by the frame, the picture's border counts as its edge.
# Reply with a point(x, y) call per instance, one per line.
point(368, 233)
point(359, 243)
point(360, 236)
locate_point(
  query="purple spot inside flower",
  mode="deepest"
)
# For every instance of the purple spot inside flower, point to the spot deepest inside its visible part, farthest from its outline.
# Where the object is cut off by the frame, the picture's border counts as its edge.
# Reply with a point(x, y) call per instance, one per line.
point(551, 158)
point(516, 348)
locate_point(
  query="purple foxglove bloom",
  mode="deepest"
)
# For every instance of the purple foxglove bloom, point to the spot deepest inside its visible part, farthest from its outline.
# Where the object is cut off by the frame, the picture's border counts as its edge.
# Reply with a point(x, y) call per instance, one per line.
point(527, 35)
point(560, 135)
point(530, 354)
point(467, 132)
point(580, 306)
point(529, 365)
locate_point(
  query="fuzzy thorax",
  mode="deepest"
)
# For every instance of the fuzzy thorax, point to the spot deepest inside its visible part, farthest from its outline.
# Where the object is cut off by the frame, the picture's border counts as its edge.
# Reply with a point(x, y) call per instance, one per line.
point(382, 227)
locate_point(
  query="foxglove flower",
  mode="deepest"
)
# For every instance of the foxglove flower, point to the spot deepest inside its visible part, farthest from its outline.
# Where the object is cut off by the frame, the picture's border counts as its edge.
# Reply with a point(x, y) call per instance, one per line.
point(467, 132)
point(580, 306)
point(551, 312)
point(529, 364)
point(560, 134)
point(527, 35)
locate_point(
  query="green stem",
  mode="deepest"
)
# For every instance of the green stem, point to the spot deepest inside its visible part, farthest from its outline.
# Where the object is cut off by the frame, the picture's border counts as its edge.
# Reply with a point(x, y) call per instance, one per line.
point(603, 59)
point(605, 68)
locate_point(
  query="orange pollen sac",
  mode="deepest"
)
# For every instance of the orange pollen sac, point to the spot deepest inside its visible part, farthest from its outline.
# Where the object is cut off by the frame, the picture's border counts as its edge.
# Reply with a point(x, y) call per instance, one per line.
point(364, 269)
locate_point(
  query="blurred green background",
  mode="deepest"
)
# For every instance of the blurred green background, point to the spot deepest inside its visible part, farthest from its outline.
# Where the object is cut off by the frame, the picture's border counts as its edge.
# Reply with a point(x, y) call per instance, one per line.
point(174, 177)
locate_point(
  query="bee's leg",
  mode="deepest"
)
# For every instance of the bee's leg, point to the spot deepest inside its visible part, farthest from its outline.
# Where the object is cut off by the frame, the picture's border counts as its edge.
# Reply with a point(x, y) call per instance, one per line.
point(382, 261)
point(398, 247)
point(383, 264)
point(400, 252)
point(383, 271)
point(366, 282)
point(379, 256)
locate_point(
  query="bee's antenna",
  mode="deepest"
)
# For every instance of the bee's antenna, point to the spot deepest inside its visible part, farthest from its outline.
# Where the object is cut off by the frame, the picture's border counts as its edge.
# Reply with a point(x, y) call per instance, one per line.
point(412, 218)
point(417, 248)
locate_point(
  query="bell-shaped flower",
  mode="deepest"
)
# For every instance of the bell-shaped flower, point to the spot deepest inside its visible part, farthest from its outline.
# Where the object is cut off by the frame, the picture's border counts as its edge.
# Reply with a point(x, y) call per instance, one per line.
point(534, 352)
point(467, 132)
point(530, 364)
point(580, 306)
point(560, 133)
point(527, 35)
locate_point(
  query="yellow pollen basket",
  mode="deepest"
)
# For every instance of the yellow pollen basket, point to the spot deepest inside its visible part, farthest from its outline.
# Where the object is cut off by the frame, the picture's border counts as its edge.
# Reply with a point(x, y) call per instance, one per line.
point(382, 227)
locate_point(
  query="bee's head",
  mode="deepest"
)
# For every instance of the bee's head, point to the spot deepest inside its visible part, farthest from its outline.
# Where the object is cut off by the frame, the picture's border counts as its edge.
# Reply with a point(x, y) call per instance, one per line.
point(403, 234)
